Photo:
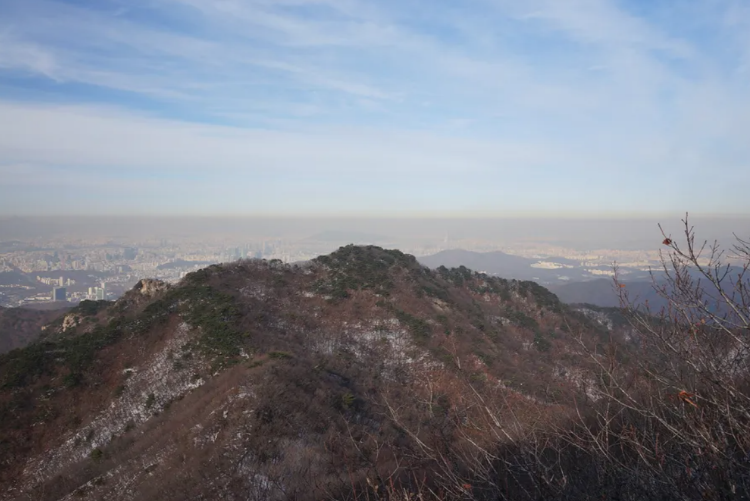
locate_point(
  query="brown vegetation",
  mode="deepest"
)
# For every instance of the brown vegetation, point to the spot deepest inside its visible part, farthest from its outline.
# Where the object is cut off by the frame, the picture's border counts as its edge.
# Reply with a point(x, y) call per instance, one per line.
point(364, 375)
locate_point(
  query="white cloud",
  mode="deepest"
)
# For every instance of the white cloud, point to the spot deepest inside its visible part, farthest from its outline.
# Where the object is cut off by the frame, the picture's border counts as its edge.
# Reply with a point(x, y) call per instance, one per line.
point(112, 139)
point(27, 57)
point(602, 22)
point(327, 89)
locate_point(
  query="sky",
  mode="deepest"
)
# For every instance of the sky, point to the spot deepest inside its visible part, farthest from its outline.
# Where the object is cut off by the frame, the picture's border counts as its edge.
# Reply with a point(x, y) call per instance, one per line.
point(574, 108)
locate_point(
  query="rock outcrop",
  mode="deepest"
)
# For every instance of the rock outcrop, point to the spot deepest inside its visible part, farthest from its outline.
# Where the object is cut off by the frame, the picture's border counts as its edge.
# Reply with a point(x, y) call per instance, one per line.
point(150, 287)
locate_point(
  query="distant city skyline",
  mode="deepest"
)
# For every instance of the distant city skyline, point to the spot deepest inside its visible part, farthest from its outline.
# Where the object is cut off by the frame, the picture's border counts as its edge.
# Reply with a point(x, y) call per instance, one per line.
point(96, 257)
point(582, 108)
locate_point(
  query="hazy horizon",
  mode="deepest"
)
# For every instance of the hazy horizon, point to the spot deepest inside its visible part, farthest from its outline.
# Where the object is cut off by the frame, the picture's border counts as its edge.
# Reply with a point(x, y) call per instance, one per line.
point(581, 232)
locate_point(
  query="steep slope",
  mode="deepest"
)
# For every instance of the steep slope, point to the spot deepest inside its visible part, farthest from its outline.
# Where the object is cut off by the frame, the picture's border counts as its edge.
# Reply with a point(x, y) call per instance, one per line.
point(21, 326)
point(601, 292)
point(360, 373)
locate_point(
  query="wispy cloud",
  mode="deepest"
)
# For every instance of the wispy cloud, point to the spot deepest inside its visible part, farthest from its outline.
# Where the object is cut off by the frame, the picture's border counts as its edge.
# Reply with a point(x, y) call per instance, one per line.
point(603, 23)
point(448, 101)
point(113, 140)
point(27, 57)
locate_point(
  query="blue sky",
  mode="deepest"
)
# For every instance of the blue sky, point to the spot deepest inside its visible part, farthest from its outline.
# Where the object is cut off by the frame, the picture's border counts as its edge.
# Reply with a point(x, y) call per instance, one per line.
point(408, 107)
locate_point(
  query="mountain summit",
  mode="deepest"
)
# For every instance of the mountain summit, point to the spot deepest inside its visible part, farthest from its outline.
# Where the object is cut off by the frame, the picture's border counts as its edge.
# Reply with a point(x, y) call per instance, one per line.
point(359, 374)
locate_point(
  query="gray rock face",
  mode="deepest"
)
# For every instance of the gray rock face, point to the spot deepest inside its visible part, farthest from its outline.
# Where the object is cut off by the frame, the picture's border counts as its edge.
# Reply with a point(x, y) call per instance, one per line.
point(150, 287)
point(71, 320)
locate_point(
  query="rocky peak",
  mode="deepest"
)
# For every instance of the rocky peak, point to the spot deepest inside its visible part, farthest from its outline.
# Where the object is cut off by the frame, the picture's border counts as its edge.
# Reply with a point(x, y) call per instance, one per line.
point(245, 368)
point(150, 287)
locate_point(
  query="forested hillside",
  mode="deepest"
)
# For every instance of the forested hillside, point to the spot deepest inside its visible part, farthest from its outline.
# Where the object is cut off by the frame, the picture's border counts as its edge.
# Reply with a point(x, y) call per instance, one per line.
point(365, 375)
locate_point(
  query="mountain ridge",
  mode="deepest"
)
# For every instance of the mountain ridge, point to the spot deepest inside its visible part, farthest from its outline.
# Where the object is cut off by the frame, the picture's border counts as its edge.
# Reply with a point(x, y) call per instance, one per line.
point(379, 310)
point(359, 374)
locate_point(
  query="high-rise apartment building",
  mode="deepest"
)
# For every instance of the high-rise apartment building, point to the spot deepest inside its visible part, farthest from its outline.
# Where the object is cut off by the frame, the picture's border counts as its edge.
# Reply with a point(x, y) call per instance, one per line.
point(59, 294)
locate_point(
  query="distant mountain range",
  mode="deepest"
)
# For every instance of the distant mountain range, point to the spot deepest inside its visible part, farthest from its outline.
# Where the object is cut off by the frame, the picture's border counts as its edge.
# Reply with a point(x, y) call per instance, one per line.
point(571, 282)
point(547, 271)
point(493, 263)
point(602, 292)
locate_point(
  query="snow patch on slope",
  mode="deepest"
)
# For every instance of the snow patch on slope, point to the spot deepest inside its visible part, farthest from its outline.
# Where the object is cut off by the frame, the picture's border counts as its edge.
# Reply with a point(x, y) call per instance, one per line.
point(144, 393)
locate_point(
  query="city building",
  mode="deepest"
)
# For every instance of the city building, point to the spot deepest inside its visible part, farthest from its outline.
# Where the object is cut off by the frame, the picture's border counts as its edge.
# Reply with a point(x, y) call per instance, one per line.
point(59, 294)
